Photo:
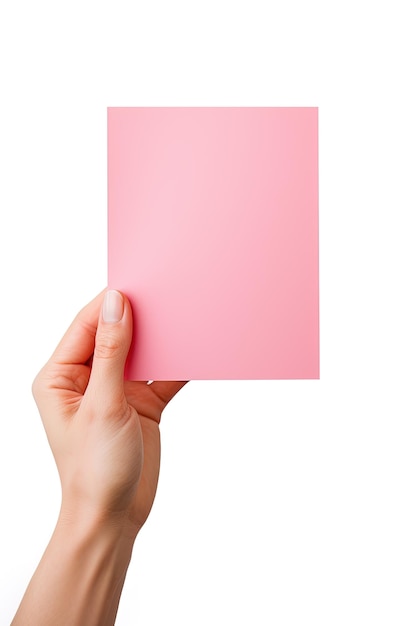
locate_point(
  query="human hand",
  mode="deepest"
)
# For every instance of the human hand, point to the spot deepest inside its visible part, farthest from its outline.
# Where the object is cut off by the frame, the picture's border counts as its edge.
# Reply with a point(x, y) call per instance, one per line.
point(103, 431)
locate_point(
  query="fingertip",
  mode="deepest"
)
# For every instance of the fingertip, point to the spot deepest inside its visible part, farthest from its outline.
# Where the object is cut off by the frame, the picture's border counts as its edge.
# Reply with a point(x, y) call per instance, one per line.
point(113, 306)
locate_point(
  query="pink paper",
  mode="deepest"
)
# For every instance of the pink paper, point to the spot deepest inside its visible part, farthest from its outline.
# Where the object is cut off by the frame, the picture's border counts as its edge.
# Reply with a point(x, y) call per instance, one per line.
point(213, 236)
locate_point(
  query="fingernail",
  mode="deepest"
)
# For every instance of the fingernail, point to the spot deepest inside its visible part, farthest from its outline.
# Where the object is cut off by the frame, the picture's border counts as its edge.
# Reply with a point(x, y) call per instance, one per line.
point(112, 306)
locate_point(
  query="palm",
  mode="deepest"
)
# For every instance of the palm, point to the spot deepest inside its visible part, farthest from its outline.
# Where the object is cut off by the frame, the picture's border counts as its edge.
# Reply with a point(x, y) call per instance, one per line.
point(68, 383)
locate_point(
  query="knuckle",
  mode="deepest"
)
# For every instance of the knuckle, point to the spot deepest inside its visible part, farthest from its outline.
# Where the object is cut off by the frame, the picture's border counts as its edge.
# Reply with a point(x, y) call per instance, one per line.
point(107, 347)
point(35, 387)
point(38, 384)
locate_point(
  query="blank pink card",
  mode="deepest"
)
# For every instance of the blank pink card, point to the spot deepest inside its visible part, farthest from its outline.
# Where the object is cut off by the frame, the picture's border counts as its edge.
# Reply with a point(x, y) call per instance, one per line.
point(213, 236)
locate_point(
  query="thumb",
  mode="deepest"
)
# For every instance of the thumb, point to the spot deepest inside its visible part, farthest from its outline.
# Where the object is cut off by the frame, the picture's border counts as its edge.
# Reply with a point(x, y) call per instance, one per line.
point(113, 339)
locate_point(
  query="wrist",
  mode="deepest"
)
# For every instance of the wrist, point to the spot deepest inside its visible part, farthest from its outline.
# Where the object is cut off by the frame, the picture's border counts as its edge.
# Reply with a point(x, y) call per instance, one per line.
point(101, 547)
point(84, 524)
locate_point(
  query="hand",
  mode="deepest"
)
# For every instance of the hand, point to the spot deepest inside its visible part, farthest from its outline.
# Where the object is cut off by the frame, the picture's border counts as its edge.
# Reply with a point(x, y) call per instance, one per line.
point(103, 431)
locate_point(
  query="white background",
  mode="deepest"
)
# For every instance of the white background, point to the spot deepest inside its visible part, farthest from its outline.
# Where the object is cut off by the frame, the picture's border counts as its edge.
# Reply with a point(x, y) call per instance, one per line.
point(287, 503)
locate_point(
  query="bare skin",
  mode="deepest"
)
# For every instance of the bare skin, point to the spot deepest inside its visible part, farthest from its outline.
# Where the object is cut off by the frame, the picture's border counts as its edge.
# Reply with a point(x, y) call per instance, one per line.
point(104, 435)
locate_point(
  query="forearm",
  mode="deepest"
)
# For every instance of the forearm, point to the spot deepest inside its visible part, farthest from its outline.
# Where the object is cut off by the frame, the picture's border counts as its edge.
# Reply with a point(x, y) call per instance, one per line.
point(80, 577)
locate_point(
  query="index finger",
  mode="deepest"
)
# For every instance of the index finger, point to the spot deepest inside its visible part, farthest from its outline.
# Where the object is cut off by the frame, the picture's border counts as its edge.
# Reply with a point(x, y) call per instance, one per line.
point(166, 389)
